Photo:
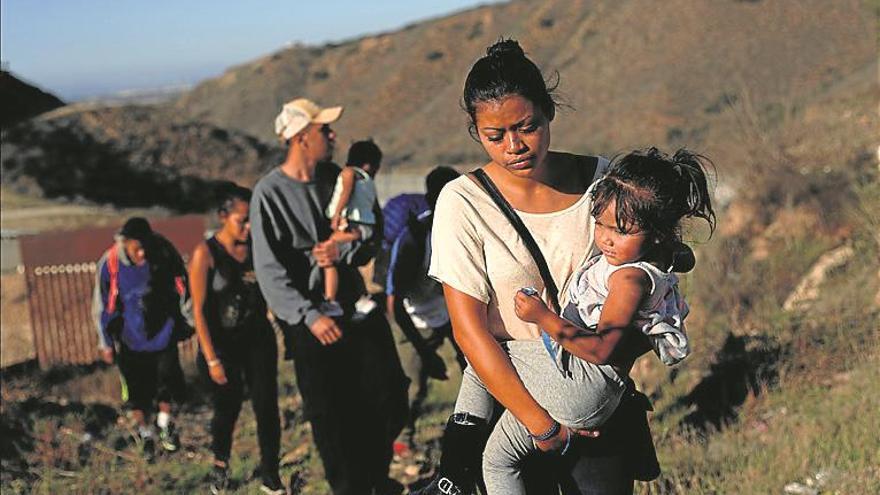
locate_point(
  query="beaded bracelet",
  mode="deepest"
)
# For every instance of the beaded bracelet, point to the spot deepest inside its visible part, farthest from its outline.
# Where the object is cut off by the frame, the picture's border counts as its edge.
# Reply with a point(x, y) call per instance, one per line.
point(550, 433)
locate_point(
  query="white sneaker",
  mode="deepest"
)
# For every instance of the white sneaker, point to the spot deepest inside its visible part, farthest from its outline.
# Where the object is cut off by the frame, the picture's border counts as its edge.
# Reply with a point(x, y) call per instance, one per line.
point(363, 307)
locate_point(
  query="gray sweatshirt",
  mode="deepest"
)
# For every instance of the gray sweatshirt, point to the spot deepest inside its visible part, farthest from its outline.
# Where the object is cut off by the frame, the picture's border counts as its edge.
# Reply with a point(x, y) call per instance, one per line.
point(287, 220)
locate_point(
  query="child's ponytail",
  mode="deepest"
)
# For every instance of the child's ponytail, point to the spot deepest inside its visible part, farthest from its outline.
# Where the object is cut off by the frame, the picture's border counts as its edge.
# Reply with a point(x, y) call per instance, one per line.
point(693, 188)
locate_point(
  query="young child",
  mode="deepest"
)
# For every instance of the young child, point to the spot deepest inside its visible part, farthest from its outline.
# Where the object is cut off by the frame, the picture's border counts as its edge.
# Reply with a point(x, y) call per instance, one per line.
point(638, 207)
point(351, 210)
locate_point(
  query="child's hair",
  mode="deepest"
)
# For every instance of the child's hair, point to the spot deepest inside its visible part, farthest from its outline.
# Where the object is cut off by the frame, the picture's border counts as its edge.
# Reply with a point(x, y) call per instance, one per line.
point(653, 192)
point(363, 152)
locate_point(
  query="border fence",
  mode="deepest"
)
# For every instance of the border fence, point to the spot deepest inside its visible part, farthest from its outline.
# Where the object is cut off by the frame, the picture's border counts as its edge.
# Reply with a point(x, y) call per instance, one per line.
point(60, 274)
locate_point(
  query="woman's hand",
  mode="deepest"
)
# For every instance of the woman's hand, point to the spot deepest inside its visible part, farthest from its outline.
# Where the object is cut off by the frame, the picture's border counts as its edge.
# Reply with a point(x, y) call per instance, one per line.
point(529, 308)
point(218, 373)
point(565, 436)
point(334, 222)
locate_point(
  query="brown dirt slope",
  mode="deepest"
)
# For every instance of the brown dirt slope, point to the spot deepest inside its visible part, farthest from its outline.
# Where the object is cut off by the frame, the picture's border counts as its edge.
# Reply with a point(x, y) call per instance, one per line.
point(130, 156)
point(635, 73)
point(716, 76)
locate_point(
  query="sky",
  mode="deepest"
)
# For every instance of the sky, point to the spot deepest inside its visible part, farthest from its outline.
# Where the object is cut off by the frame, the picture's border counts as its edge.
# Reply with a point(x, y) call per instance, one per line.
point(79, 49)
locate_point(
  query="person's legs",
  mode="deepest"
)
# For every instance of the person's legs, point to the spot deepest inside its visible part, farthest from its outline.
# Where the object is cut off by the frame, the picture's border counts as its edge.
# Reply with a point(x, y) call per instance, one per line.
point(473, 397)
point(381, 386)
point(463, 439)
point(139, 370)
point(508, 444)
point(171, 388)
point(226, 401)
point(344, 468)
point(411, 364)
point(325, 378)
point(261, 370)
point(331, 283)
point(135, 371)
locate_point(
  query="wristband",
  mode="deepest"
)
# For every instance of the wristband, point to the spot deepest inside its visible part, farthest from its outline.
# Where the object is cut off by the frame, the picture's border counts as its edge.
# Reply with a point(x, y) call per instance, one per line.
point(213, 362)
point(567, 443)
point(550, 433)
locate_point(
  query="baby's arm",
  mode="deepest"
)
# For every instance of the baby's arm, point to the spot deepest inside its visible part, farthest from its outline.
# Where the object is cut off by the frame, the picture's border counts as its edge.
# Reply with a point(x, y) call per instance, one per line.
point(626, 289)
point(348, 178)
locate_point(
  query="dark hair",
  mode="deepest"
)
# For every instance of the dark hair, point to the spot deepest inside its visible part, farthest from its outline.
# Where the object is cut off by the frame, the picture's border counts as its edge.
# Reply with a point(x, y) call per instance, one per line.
point(362, 152)
point(137, 228)
point(653, 192)
point(435, 181)
point(230, 192)
point(505, 71)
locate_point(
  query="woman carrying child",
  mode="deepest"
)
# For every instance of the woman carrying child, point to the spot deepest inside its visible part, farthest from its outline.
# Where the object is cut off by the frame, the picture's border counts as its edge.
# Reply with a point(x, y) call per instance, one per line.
point(482, 262)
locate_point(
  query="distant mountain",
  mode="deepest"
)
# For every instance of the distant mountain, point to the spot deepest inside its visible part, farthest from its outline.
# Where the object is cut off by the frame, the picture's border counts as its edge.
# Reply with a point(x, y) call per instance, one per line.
point(633, 73)
point(21, 101)
point(714, 75)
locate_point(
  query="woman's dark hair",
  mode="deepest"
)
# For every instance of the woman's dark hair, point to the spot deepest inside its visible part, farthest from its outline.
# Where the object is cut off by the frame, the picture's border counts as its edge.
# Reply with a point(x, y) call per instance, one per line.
point(362, 152)
point(228, 194)
point(653, 192)
point(505, 71)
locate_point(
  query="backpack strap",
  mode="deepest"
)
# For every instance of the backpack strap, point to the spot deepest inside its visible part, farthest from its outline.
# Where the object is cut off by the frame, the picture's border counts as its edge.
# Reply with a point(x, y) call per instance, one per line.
point(113, 270)
point(523, 231)
point(531, 245)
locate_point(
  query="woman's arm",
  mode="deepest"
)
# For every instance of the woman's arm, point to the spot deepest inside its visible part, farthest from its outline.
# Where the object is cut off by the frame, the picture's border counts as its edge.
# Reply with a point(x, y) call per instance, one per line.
point(198, 287)
point(470, 329)
point(626, 289)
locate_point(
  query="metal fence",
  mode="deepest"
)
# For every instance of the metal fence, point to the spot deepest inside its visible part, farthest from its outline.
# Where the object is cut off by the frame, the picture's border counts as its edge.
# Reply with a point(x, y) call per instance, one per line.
point(60, 273)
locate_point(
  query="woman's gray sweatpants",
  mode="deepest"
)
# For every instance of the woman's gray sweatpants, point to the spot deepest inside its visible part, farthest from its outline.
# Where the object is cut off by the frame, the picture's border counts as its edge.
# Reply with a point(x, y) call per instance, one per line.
point(574, 392)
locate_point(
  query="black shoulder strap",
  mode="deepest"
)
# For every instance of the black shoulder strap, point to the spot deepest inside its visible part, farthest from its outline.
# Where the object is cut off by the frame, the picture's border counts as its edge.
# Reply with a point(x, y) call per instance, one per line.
point(523, 232)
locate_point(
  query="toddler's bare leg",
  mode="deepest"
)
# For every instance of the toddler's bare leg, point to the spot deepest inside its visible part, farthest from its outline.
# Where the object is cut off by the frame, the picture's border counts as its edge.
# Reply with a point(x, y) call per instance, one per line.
point(331, 283)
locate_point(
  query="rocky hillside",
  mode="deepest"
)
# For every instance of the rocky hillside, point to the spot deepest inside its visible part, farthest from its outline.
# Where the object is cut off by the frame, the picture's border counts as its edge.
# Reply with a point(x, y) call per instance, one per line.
point(128, 156)
point(21, 101)
point(712, 75)
point(632, 72)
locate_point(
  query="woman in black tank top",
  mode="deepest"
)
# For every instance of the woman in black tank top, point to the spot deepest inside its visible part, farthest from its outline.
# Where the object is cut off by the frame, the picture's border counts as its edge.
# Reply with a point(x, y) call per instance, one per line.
point(237, 342)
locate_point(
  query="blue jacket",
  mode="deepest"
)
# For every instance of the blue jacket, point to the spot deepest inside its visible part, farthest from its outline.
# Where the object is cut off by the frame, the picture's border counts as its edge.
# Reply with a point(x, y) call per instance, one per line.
point(128, 320)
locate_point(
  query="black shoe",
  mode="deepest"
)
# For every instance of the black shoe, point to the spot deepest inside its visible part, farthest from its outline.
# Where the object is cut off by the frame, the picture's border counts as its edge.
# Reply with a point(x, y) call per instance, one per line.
point(169, 439)
point(442, 485)
point(460, 462)
point(219, 479)
point(272, 485)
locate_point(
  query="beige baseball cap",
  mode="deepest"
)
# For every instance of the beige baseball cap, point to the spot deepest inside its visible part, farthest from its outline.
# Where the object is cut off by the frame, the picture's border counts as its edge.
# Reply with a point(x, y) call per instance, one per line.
point(297, 114)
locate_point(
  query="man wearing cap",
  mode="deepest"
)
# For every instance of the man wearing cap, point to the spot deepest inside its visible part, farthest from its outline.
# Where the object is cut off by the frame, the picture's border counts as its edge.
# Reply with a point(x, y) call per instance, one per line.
point(348, 373)
point(139, 299)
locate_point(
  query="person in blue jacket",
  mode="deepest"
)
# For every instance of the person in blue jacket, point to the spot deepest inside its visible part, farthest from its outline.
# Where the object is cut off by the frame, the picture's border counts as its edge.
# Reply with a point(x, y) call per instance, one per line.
point(138, 296)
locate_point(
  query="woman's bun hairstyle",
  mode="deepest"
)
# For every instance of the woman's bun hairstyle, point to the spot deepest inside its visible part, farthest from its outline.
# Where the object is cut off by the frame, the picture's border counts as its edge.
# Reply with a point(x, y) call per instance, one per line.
point(505, 47)
point(505, 71)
